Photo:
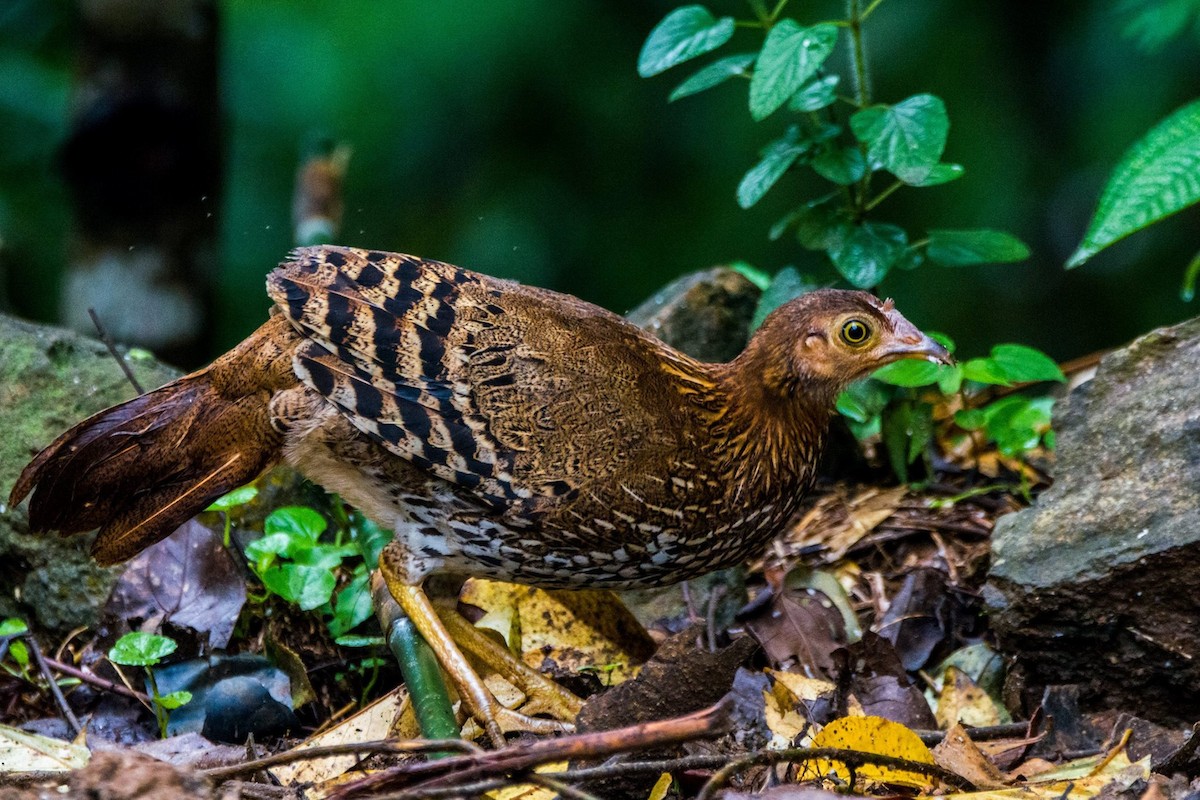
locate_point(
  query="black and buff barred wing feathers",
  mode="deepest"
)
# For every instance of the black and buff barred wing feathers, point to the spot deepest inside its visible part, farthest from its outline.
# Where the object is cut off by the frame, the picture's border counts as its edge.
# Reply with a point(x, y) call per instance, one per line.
point(518, 394)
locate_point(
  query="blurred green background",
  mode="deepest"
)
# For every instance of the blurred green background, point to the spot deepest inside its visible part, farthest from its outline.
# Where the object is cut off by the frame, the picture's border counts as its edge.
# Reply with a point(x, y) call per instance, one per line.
point(516, 138)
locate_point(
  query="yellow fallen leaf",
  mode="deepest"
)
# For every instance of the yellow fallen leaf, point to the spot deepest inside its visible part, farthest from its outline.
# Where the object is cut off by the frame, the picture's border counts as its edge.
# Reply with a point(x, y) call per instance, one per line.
point(961, 700)
point(661, 787)
point(790, 695)
point(958, 754)
point(31, 752)
point(1093, 776)
point(575, 631)
point(872, 735)
point(529, 791)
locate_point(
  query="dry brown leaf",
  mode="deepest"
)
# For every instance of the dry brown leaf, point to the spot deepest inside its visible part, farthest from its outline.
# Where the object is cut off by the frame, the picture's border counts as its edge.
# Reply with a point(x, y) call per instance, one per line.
point(574, 631)
point(1083, 779)
point(961, 756)
point(839, 522)
point(872, 735)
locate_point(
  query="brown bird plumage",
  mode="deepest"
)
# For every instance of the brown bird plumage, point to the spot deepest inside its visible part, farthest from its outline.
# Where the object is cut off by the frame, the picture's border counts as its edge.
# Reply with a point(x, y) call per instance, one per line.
point(501, 430)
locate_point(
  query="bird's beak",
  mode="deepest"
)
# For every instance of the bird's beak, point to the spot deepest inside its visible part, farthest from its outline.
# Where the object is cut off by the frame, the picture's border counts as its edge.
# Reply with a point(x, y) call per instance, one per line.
point(914, 344)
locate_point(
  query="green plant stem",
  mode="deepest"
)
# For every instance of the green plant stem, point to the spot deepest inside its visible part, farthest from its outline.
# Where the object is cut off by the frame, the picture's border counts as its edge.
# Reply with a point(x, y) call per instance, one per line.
point(423, 676)
point(777, 10)
point(874, 5)
point(862, 88)
point(160, 713)
point(884, 195)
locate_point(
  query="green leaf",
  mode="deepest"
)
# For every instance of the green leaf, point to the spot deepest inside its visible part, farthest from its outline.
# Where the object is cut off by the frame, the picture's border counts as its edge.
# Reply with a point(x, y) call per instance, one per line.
point(790, 56)
point(353, 607)
point(909, 373)
point(970, 419)
point(907, 430)
point(16, 648)
point(1188, 291)
point(907, 139)
point(238, 497)
point(174, 699)
point(1022, 364)
point(815, 95)
point(842, 165)
point(821, 225)
point(950, 378)
point(980, 246)
point(777, 157)
point(985, 370)
point(308, 587)
point(264, 550)
point(941, 173)
point(714, 74)
point(140, 649)
point(685, 33)
point(298, 521)
point(1017, 424)
point(752, 273)
point(863, 400)
point(787, 285)
point(324, 557)
point(370, 538)
point(866, 255)
point(1158, 176)
point(12, 626)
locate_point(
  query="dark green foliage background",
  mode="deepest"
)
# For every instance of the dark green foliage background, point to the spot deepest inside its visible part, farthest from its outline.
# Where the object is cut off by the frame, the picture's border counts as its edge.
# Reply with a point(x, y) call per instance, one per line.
point(516, 138)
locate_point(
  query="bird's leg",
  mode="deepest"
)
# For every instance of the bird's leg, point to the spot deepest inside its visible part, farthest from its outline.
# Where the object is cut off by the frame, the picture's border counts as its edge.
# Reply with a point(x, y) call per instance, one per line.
point(545, 696)
point(479, 702)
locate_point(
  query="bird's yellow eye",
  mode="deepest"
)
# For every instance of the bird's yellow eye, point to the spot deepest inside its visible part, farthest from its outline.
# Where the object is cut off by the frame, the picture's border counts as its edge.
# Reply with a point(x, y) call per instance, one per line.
point(855, 332)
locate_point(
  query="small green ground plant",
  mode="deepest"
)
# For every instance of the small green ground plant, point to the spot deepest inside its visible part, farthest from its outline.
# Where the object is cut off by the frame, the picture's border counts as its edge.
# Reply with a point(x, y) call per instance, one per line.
point(147, 650)
point(859, 152)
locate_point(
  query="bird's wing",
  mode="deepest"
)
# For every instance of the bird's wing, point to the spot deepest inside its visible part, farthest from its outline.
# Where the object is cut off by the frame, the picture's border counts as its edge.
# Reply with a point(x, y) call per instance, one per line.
point(521, 395)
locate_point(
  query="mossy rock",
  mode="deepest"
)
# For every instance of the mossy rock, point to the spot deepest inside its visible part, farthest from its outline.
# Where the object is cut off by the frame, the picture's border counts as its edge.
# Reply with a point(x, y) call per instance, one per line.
point(51, 378)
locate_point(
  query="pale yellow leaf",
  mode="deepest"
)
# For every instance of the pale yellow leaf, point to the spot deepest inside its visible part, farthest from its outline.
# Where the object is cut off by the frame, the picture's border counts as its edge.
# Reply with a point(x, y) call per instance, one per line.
point(961, 700)
point(661, 787)
point(872, 735)
point(31, 752)
point(529, 791)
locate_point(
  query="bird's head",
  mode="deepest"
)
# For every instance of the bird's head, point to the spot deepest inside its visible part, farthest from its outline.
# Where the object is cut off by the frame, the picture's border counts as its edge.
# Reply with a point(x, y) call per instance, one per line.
point(819, 343)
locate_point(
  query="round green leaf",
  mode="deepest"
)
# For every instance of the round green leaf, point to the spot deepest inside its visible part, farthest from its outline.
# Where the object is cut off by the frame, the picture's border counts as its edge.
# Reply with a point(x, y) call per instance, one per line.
point(299, 521)
point(752, 273)
point(787, 285)
point(790, 56)
point(817, 94)
point(980, 246)
point(353, 606)
point(683, 34)
point(1021, 364)
point(1157, 177)
point(821, 225)
point(862, 400)
point(238, 497)
point(308, 587)
point(906, 139)
point(870, 250)
point(140, 649)
point(985, 370)
point(842, 165)
point(714, 74)
point(909, 373)
point(777, 157)
point(941, 173)
point(174, 699)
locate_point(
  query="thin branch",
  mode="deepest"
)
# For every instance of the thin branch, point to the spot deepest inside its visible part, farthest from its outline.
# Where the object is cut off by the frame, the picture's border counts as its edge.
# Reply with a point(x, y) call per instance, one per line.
point(97, 681)
point(55, 691)
point(112, 350)
point(218, 774)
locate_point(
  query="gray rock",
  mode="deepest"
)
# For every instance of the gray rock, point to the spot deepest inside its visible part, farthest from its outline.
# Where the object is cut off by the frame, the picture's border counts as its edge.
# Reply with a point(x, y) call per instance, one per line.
point(705, 314)
point(51, 378)
point(1099, 583)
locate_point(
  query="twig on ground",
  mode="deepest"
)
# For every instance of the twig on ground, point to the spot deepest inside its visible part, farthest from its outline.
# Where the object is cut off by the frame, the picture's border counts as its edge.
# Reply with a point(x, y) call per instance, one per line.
point(218, 774)
point(1178, 761)
point(851, 758)
point(112, 350)
point(421, 779)
point(981, 734)
point(97, 681)
point(55, 692)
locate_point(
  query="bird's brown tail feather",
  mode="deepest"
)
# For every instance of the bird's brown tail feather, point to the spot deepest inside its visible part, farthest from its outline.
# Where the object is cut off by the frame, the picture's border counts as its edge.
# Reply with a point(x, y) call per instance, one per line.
point(139, 470)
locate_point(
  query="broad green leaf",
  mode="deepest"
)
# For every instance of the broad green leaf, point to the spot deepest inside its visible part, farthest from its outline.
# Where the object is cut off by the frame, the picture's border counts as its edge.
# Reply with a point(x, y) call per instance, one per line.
point(238, 497)
point(907, 139)
point(140, 649)
point(777, 157)
point(941, 173)
point(353, 606)
point(16, 648)
point(909, 372)
point(790, 56)
point(985, 370)
point(907, 429)
point(1017, 424)
point(685, 33)
point(324, 557)
point(12, 626)
point(264, 550)
point(862, 400)
point(868, 252)
point(308, 587)
point(980, 246)
point(174, 699)
point(821, 225)
point(1157, 176)
point(752, 273)
point(370, 538)
point(815, 95)
point(1022, 364)
point(787, 285)
point(950, 378)
point(842, 165)
point(970, 419)
point(714, 74)
point(299, 521)
point(942, 339)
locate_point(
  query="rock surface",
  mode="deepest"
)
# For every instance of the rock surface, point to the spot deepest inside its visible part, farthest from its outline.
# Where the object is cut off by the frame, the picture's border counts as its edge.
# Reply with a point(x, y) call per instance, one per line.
point(1099, 582)
point(705, 314)
point(50, 378)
